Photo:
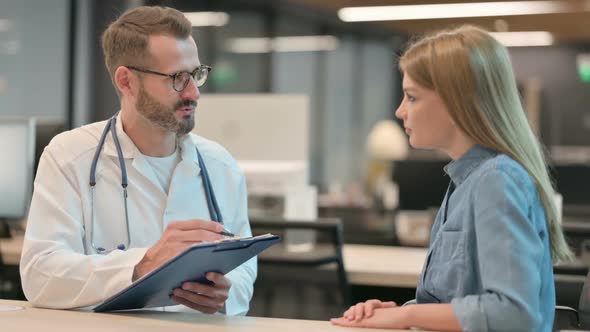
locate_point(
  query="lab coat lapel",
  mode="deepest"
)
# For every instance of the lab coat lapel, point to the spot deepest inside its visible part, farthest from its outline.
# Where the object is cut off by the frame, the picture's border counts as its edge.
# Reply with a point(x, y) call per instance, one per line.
point(127, 146)
point(184, 198)
point(141, 165)
point(186, 175)
point(130, 151)
point(190, 161)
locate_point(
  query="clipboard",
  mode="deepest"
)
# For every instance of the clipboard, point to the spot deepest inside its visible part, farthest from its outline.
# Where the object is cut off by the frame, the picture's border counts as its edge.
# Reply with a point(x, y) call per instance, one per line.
point(154, 289)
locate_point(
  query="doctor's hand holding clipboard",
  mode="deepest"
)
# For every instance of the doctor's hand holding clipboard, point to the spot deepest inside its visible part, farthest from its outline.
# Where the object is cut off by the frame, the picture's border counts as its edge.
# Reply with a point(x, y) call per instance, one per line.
point(178, 236)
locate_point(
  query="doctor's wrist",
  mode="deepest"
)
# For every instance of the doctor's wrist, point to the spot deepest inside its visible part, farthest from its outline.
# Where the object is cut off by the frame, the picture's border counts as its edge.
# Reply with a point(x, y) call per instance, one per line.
point(140, 269)
point(136, 273)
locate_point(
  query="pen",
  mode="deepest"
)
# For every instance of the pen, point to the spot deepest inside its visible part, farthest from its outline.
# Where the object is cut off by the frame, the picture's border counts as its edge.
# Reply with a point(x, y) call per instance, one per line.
point(225, 232)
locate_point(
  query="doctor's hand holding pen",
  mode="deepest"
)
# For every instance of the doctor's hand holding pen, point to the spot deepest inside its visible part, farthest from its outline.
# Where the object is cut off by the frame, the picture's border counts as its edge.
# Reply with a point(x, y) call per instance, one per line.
point(179, 235)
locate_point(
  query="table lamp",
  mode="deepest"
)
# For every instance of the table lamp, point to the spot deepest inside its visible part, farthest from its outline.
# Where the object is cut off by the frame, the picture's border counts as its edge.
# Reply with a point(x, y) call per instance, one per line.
point(385, 143)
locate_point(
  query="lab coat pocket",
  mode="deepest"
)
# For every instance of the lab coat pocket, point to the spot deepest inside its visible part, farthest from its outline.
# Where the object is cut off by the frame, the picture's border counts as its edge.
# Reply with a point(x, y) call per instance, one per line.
point(449, 268)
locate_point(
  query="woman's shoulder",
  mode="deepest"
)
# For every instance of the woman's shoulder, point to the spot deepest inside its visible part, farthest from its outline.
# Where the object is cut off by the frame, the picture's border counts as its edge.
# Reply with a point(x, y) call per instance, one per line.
point(502, 167)
point(501, 179)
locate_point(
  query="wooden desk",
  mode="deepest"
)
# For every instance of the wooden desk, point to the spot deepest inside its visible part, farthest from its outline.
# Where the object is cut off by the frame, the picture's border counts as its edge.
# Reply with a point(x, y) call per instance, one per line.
point(383, 265)
point(46, 320)
point(365, 264)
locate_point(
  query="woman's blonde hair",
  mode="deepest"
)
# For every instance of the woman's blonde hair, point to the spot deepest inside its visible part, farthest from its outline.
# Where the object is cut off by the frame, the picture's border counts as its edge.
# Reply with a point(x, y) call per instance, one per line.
point(472, 73)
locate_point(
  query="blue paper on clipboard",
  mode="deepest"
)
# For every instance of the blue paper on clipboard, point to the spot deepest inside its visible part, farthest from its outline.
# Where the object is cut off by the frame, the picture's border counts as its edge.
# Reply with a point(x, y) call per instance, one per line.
point(154, 289)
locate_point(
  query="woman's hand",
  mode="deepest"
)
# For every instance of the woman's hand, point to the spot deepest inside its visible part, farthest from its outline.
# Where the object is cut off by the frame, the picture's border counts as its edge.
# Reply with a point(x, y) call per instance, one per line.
point(381, 318)
point(365, 309)
point(386, 315)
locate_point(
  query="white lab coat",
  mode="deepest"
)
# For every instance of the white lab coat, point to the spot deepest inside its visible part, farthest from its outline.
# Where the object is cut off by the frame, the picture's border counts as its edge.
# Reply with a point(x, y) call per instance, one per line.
point(60, 269)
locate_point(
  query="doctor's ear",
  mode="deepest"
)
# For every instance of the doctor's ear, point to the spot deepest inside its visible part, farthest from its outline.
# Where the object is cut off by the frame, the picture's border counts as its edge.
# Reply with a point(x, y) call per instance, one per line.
point(123, 80)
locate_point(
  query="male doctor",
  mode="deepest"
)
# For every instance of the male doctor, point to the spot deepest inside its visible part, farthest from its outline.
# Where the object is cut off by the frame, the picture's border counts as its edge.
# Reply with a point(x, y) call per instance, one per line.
point(81, 248)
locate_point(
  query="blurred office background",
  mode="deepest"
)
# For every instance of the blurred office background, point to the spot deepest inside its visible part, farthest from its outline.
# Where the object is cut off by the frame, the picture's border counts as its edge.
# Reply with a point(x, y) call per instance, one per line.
point(357, 168)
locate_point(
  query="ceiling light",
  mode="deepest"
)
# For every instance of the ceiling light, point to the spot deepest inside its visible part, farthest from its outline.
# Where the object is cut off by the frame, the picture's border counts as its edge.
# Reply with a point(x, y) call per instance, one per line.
point(282, 44)
point(248, 45)
point(304, 43)
point(452, 10)
point(203, 19)
point(524, 38)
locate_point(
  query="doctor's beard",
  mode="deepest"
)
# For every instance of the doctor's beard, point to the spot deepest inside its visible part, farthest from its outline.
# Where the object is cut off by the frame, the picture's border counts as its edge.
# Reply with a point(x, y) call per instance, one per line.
point(163, 116)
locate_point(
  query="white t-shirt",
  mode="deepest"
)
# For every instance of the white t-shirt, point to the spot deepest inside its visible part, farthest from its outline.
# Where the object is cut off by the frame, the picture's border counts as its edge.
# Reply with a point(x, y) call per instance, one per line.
point(164, 168)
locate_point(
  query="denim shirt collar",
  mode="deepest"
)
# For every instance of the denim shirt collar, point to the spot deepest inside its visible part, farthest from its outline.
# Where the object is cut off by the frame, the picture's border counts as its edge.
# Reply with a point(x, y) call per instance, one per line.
point(460, 169)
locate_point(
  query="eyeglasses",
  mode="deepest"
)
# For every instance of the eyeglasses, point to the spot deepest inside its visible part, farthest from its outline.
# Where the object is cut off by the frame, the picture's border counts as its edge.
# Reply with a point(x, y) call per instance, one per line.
point(180, 79)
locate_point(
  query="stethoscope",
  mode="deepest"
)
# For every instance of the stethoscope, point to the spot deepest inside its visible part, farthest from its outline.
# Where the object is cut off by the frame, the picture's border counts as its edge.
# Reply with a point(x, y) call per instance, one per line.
point(111, 126)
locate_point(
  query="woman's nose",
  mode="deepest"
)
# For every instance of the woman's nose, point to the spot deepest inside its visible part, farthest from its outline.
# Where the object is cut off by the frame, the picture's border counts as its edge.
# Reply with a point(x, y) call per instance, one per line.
point(400, 112)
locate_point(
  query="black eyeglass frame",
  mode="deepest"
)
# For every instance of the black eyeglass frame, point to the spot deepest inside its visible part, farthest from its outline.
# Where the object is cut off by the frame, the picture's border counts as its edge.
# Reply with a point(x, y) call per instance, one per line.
point(177, 75)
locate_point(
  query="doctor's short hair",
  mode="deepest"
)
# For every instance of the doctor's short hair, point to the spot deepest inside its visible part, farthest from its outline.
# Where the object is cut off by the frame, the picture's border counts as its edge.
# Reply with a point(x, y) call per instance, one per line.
point(125, 41)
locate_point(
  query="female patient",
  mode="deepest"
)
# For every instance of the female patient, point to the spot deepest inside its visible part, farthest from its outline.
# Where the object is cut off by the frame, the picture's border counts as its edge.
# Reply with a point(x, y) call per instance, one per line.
point(489, 266)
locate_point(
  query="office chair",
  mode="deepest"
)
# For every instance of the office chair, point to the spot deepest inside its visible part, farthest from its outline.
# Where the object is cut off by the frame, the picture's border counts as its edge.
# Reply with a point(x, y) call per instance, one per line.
point(572, 279)
point(301, 273)
point(572, 286)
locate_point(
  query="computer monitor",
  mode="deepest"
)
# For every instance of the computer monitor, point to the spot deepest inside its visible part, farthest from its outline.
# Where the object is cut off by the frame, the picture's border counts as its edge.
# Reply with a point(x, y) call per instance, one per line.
point(571, 182)
point(422, 183)
point(17, 147)
point(45, 131)
point(268, 134)
point(270, 127)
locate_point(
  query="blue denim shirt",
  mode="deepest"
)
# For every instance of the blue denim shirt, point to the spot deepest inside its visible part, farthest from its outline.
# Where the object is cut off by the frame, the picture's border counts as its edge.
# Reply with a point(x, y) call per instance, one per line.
point(491, 258)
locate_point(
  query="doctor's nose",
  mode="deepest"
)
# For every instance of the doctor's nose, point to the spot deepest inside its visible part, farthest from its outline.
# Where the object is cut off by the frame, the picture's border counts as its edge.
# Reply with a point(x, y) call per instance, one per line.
point(191, 91)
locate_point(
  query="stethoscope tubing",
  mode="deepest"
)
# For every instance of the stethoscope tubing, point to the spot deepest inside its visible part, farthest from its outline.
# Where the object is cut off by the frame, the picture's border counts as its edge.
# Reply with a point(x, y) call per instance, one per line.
point(212, 204)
